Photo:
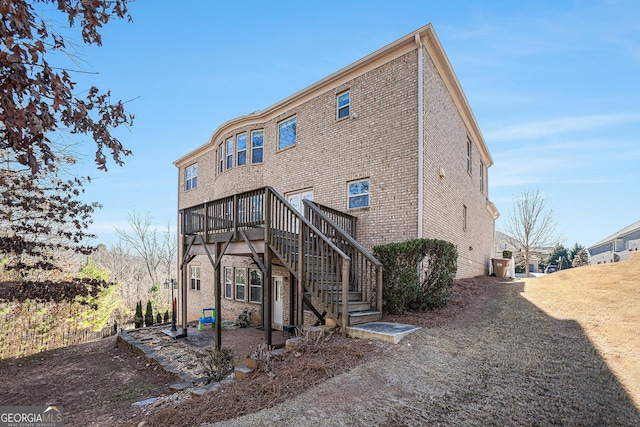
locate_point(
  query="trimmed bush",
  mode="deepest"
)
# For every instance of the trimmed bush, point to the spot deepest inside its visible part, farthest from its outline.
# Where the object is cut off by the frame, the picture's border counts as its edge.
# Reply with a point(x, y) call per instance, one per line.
point(404, 286)
point(507, 254)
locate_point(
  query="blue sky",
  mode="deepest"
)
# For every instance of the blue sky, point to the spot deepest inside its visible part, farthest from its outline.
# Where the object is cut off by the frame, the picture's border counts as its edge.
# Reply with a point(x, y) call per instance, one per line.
point(553, 86)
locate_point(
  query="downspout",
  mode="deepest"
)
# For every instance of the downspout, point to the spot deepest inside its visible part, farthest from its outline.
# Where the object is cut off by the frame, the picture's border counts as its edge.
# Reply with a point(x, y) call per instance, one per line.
point(420, 136)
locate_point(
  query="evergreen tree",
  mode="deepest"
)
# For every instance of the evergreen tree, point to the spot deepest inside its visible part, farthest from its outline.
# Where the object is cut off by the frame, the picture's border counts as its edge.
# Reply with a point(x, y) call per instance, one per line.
point(148, 315)
point(138, 319)
point(574, 251)
point(559, 256)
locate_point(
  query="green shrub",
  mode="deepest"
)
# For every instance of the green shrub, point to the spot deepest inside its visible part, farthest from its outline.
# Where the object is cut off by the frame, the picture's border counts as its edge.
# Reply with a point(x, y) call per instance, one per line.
point(403, 287)
point(148, 315)
point(138, 319)
point(507, 254)
point(166, 316)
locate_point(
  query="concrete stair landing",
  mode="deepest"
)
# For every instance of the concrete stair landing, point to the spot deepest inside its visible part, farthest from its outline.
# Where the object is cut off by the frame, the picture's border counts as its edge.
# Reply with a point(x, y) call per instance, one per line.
point(381, 331)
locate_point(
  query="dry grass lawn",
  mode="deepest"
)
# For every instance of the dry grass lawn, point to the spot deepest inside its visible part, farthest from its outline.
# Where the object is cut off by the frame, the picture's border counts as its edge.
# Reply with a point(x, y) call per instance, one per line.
point(605, 301)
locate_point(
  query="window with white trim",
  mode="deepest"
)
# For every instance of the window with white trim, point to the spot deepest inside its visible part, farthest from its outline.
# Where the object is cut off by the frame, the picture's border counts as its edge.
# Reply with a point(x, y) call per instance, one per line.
point(257, 146)
point(343, 104)
point(287, 132)
point(242, 149)
point(230, 153)
point(358, 194)
point(255, 286)
point(241, 274)
point(194, 277)
point(191, 177)
point(221, 158)
point(228, 282)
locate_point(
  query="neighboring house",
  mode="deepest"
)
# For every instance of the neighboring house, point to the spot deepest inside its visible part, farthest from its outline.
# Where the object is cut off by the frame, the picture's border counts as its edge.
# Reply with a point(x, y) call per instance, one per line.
point(386, 148)
point(617, 247)
point(537, 256)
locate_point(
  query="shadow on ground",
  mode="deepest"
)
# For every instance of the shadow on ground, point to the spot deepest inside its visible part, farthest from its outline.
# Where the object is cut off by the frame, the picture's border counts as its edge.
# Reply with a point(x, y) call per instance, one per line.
point(501, 361)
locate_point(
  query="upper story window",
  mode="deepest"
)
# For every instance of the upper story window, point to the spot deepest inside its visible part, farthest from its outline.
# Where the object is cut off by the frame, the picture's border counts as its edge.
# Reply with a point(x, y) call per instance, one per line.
point(287, 131)
point(257, 144)
point(344, 101)
point(220, 158)
point(469, 156)
point(242, 149)
point(191, 173)
point(230, 153)
point(194, 276)
point(482, 177)
point(358, 194)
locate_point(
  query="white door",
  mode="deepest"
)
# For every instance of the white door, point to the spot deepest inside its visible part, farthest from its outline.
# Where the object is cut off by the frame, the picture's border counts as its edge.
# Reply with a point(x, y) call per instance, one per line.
point(277, 300)
point(295, 199)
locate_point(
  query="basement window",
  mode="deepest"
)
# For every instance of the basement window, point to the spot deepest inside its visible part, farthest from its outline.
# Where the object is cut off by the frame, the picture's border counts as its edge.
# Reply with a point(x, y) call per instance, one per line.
point(194, 276)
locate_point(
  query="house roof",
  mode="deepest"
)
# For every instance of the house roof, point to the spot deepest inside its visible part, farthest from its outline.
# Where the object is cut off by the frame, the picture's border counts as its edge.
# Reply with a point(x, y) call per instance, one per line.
point(426, 35)
point(618, 235)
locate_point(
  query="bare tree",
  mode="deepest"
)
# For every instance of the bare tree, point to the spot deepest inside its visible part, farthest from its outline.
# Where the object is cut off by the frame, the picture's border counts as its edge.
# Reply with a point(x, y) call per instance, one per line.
point(529, 226)
point(144, 241)
point(157, 250)
point(169, 253)
point(125, 268)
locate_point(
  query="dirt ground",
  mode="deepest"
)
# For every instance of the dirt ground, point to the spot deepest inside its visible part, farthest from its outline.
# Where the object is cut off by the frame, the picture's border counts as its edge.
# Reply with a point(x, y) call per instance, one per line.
point(492, 357)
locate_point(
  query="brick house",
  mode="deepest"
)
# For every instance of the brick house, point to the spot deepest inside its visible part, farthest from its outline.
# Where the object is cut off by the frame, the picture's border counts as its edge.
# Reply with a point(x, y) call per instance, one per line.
point(386, 148)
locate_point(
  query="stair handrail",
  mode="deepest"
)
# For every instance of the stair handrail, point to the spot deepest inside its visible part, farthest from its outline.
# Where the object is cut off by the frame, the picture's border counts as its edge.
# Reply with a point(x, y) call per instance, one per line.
point(312, 227)
point(351, 241)
point(315, 250)
point(343, 233)
point(341, 219)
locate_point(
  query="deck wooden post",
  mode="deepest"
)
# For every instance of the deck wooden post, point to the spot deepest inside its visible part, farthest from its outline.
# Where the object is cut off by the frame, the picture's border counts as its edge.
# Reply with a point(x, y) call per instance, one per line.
point(379, 288)
point(185, 280)
point(218, 291)
point(268, 296)
point(302, 231)
point(345, 296)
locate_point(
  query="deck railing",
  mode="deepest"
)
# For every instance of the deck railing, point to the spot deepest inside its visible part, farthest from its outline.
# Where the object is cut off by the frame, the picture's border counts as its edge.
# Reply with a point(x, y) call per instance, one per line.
point(343, 220)
point(366, 270)
point(318, 264)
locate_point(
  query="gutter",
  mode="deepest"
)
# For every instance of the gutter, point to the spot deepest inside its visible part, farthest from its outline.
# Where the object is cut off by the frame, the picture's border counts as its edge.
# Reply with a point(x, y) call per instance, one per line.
point(420, 136)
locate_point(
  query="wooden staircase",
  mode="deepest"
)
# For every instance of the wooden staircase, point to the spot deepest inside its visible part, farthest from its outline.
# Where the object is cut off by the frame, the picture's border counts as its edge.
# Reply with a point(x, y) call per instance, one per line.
point(318, 248)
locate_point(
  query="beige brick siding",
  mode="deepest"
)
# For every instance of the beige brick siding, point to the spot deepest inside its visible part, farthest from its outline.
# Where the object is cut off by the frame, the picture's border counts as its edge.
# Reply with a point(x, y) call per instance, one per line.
point(445, 146)
point(379, 142)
